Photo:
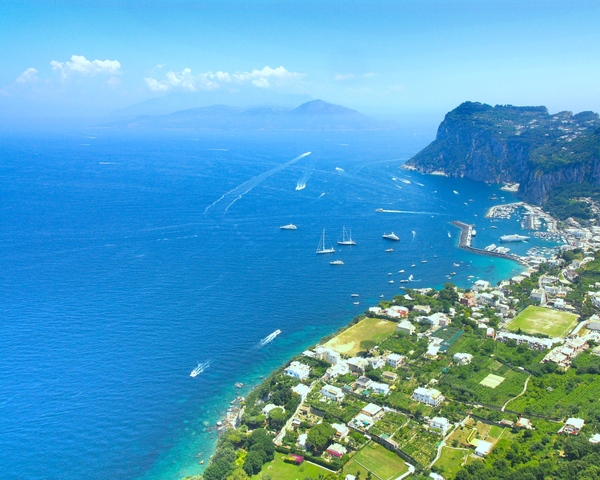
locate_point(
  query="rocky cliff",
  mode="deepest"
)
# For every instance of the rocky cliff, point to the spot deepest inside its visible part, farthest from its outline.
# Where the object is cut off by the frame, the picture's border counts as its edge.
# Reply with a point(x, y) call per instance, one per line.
point(524, 145)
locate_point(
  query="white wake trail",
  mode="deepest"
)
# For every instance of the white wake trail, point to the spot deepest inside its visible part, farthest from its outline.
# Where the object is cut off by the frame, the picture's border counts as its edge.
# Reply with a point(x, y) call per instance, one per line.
point(248, 185)
point(305, 175)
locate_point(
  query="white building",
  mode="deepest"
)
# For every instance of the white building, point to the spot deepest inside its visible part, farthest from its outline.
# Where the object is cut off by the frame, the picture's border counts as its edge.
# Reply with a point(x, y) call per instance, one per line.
point(572, 426)
point(430, 396)
point(483, 448)
point(297, 370)
point(328, 355)
point(463, 358)
point(394, 360)
point(372, 410)
point(440, 424)
point(333, 393)
point(376, 362)
point(302, 390)
point(405, 327)
point(341, 430)
point(382, 388)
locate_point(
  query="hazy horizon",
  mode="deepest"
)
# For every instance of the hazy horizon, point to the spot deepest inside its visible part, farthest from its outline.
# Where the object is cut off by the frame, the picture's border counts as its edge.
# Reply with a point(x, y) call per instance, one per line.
point(387, 59)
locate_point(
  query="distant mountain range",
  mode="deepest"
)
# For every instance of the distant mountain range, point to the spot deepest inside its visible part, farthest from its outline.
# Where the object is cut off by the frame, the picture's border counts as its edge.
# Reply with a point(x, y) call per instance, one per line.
point(313, 115)
point(524, 145)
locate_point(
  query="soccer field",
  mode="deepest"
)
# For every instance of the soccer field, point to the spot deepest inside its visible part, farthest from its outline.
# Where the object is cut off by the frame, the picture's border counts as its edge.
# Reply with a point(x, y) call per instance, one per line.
point(348, 342)
point(549, 322)
point(378, 460)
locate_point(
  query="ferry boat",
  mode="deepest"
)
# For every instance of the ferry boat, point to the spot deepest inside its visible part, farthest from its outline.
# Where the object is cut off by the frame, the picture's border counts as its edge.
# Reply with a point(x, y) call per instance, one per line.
point(289, 226)
point(391, 236)
point(514, 238)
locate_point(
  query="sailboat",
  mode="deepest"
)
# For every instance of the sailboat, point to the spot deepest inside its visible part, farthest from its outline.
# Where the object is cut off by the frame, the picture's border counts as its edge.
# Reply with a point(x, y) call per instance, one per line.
point(346, 238)
point(321, 248)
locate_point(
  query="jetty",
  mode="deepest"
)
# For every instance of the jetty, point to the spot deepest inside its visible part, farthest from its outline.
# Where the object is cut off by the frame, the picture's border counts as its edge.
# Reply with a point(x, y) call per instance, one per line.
point(464, 242)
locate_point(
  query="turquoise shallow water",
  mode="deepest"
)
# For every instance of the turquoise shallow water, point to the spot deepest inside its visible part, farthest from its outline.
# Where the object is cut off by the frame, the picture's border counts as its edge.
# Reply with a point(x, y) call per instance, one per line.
point(125, 260)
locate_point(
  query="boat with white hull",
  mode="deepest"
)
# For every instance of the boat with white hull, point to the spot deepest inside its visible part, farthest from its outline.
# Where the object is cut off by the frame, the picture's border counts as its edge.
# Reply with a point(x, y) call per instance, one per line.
point(322, 248)
point(391, 236)
point(346, 238)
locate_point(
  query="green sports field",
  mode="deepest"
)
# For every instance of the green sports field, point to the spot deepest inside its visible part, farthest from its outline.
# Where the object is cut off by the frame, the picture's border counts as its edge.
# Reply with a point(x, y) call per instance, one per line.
point(379, 461)
point(553, 323)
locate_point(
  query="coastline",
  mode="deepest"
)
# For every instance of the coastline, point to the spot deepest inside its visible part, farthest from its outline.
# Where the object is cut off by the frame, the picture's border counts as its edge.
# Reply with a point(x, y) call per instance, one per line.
point(231, 420)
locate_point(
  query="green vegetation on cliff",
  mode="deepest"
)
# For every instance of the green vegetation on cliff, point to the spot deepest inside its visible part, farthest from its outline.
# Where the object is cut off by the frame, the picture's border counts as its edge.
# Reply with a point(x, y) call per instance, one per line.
point(526, 145)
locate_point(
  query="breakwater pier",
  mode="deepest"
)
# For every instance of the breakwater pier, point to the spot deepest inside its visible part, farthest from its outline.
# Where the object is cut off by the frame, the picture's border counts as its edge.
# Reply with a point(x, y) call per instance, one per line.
point(464, 242)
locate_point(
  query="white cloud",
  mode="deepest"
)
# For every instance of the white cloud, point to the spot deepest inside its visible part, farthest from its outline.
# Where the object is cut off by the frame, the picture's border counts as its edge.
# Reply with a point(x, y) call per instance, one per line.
point(29, 75)
point(340, 77)
point(81, 65)
point(155, 85)
point(185, 80)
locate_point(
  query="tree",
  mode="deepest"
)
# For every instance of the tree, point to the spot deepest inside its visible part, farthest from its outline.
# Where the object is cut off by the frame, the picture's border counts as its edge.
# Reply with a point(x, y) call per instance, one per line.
point(367, 345)
point(253, 463)
point(319, 436)
point(277, 418)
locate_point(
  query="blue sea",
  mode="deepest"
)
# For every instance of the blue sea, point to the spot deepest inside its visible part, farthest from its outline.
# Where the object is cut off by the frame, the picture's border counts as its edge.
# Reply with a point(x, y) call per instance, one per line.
point(126, 259)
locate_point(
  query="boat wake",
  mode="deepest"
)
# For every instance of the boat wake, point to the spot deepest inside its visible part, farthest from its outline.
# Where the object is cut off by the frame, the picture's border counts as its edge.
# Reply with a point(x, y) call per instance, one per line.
point(269, 338)
point(305, 175)
point(200, 368)
point(248, 185)
point(410, 212)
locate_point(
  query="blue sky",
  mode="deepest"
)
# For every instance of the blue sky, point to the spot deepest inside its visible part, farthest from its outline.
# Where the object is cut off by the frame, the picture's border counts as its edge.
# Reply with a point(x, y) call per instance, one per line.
point(384, 58)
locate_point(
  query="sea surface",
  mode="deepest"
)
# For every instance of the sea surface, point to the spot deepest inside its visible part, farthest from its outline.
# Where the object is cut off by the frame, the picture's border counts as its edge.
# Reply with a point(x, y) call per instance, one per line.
point(126, 259)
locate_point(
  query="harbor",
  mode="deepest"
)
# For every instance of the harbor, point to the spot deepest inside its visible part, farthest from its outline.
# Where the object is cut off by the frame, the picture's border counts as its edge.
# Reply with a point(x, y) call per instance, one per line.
point(465, 239)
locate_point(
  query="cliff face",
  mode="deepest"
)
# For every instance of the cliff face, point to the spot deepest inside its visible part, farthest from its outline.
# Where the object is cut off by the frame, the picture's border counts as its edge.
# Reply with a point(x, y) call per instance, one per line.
point(515, 144)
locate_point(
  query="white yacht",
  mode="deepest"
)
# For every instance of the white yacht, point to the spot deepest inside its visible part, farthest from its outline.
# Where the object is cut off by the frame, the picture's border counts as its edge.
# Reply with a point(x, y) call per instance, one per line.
point(346, 238)
point(391, 236)
point(322, 248)
point(289, 226)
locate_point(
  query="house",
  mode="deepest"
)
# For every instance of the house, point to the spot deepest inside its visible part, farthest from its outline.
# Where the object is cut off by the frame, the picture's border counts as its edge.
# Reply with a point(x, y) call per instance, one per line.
point(328, 355)
point(394, 360)
point(357, 365)
point(432, 350)
point(362, 422)
point(337, 450)
point(440, 424)
point(572, 426)
point(371, 410)
point(332, 393)
point(483, 448)
point(380, 388)
point(438, 319)
point(390, 376)
point(405, 327)
point(490, 332)
point(363, 382)
point(595, 438)
point(463, 358)
point(302, 440)
point(376, 362)
point(341, 430)
point(340, 368)
point(524, 423)
point(430, 396)
point(538, 295)
point(422, 308)
point(481, 285)
point(297, 370)
point(534, 343)
point(302, 390)
point(396, 311)
point(468, 299)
